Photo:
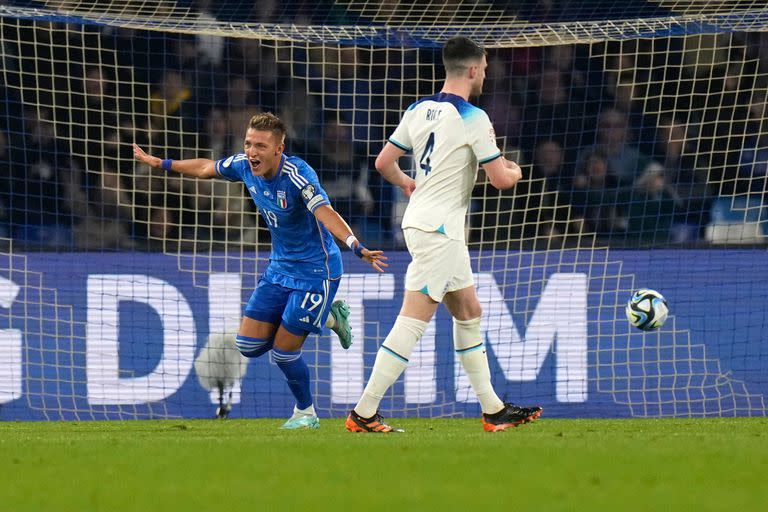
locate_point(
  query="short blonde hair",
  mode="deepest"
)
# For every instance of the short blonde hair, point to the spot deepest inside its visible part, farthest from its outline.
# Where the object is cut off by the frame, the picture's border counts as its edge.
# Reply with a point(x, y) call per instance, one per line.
point(268, 122)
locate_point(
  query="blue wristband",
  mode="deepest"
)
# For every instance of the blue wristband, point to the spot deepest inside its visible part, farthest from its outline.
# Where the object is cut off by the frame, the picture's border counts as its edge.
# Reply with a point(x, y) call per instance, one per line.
point(166, 164)
point(358, 250)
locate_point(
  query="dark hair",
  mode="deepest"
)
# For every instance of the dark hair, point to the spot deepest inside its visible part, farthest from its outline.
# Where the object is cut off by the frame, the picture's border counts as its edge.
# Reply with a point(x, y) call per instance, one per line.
point(457, 51)
point(268, 122)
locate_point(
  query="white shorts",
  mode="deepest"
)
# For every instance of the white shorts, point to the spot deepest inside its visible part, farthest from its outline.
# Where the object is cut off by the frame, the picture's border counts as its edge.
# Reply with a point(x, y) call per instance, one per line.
point(438, 264)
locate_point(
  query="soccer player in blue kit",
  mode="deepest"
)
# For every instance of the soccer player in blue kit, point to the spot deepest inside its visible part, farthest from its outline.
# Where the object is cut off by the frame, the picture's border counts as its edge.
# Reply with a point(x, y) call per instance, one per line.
point(294, 295)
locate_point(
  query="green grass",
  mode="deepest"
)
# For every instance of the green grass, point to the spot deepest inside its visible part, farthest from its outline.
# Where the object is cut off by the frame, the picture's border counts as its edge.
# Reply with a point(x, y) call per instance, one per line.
point(198, 465)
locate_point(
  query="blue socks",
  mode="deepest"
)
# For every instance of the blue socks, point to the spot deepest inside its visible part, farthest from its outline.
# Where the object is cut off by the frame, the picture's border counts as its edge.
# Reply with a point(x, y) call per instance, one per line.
point(292, 365)
point(253, 347)
point(296, 373)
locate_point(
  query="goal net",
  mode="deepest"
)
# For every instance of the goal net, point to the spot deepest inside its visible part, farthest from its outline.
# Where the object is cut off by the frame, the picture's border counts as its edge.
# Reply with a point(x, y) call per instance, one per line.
point(640, 127)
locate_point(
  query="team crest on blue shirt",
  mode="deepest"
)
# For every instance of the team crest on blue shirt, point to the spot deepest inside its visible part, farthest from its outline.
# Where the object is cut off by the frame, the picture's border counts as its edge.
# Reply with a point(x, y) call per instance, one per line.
point(281, 200)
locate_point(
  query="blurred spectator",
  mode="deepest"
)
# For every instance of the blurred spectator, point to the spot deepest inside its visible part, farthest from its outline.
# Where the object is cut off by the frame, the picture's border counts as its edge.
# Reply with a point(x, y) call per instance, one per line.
point(676, 149)
point(256, 62)
point(530, 215)
point(216, 211)
point(625, 92)
point(505, 104)
point(562, 57)
point(343, 77)
point(172, 115)
point(199, 73)
point(240, 105)
point(548, 164)
point(301, 113)
point(152, 211)
point(108, 218)
point(344, 173)
point(501, 86)
point(45, 194)
point(540, 207)
point(217, 138)
point(652, 204)
point(753, 166)
point(721, 105)
point(752, 177)
point(92, 114)
point(222, 210)
point(550, 114)
point(625, 162)
point(492, 218)
point(595, 196)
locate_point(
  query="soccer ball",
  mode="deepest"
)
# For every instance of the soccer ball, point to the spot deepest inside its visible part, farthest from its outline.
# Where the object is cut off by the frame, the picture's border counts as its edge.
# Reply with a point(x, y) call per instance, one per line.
point(647, 309)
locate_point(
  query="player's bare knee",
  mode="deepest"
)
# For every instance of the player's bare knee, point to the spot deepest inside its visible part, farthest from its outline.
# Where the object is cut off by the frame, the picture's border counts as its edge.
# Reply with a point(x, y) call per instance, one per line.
point(472, 311)
point(290, 338)
point(463, 307)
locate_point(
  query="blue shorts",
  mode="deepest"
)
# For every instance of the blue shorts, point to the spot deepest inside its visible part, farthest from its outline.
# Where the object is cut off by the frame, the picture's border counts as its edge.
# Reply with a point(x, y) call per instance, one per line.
point(301, 305)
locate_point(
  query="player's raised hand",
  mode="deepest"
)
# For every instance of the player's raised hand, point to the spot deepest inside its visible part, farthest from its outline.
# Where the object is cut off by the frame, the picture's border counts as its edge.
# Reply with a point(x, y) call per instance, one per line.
point(142, 156)
point(376, 259)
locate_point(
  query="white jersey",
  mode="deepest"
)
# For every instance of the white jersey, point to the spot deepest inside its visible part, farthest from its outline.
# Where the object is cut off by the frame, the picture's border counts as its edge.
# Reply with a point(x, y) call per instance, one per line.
point(449, 137)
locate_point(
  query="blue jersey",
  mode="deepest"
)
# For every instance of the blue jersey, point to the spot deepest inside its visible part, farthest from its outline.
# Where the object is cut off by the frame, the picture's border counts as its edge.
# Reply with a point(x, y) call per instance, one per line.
point(302, 247)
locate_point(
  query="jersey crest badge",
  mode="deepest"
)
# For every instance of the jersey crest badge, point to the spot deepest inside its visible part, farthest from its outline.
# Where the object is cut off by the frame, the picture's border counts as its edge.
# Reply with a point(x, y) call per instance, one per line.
point(308, 192)
point(282, 202)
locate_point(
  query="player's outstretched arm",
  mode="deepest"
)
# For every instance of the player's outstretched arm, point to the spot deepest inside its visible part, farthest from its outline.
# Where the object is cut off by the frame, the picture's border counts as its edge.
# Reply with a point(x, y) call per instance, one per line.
point(341, 230)
point(195, 167)
point(386, 164)
point(503, 173)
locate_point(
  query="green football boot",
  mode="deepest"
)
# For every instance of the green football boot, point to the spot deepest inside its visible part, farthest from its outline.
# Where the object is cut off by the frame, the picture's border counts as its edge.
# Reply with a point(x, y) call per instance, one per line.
point(301, 421)
point(340, 312)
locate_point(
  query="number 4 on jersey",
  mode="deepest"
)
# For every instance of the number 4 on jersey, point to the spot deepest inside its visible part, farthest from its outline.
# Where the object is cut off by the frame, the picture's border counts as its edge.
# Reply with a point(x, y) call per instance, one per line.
point(424, 160)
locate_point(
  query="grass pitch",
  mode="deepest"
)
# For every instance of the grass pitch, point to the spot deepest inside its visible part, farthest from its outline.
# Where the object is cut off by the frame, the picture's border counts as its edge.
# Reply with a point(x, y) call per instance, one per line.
point(438, 464)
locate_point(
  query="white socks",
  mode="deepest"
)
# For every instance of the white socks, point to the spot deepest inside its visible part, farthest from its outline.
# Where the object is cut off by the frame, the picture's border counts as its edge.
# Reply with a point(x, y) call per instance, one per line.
point(391, 361)
point(470, 350)
point(309, 411)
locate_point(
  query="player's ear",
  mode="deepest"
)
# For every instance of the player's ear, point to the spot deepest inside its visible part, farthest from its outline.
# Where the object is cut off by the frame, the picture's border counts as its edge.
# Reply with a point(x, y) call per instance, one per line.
point(280, 148)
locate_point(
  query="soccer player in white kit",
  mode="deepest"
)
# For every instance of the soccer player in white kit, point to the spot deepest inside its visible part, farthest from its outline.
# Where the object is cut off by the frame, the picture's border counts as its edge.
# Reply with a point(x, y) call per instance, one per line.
point(449, 137)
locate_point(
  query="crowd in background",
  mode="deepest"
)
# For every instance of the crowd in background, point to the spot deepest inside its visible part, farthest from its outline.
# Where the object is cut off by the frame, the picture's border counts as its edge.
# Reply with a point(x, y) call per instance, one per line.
point(627, 143)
